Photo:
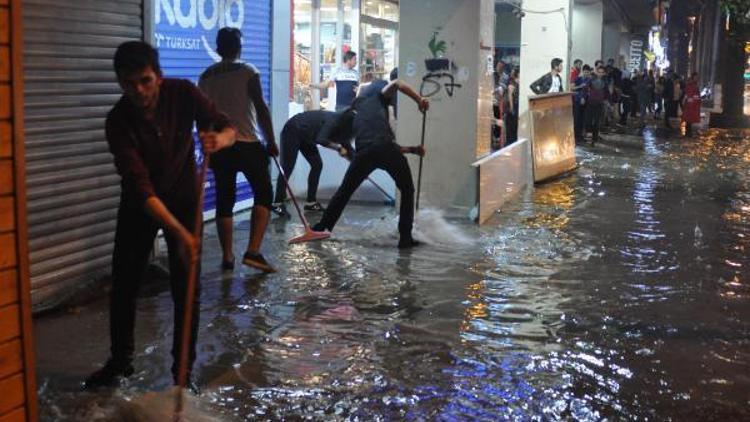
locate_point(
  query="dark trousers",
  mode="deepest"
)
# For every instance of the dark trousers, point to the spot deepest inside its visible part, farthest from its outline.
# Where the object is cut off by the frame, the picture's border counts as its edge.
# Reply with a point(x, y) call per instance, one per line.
point(134, 239)
point(626, 103)
point(385, 157)
point(593, 117)
point(579, 113)
point(250, 158)
point(659, 105)
point(292, 143)
point(670, 111)
point(511, 128)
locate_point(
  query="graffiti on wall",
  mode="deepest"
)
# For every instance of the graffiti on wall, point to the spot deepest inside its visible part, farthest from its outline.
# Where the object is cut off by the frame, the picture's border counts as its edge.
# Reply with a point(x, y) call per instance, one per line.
point(441, 71)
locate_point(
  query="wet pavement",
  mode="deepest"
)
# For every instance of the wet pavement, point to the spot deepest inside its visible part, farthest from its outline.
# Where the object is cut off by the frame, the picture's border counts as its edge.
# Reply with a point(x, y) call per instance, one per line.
point(619, 292)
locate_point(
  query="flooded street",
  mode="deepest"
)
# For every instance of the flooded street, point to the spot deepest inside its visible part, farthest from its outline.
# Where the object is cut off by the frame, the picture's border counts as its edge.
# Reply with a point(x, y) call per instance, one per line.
point(619, 292)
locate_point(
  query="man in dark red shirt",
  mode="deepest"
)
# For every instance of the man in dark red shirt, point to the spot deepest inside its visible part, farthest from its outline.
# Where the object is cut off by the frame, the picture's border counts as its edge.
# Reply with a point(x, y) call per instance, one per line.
point(149, 132)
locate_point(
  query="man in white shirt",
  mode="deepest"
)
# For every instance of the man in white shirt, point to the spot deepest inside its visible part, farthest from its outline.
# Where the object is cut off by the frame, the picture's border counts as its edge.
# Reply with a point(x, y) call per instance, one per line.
point(346, 81)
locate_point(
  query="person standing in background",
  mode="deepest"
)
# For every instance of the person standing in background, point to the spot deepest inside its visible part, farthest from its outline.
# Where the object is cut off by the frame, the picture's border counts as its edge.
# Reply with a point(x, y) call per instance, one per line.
point(235, 88)
point(346, 81)
point(580, 99)
point(551, 81)
point(511, 108)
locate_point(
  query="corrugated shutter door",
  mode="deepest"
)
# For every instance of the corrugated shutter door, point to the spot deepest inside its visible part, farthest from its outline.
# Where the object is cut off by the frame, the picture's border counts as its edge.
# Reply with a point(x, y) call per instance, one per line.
point(186, 38)
point(73, 189)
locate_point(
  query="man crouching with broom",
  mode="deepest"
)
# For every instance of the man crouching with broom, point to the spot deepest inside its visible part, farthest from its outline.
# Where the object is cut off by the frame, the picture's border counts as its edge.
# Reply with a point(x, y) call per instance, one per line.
point(376, 149)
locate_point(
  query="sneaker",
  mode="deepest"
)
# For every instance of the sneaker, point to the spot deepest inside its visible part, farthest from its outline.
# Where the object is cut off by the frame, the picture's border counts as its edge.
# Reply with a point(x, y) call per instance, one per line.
point(109, 375)
point(280, 210)
point(320, 228)
point(314, 206)
point(408, 242)
point(256, 260)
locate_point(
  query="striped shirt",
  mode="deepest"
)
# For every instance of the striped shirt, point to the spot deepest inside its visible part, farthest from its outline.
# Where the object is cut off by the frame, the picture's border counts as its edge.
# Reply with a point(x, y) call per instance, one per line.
point(228, 84)
point(347, 81)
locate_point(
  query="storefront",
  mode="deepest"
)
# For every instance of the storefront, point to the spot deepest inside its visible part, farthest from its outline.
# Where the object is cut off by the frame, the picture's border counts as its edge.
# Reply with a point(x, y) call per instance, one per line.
point(185, 34)
point(71, 183)
point(323, 30)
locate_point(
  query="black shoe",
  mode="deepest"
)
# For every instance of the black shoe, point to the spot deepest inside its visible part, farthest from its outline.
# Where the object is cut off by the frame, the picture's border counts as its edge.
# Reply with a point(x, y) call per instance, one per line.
point(256, 260)
point(314, 206)
point(408, 242)
point(320, 228)
point(280, 210)
point(109, 375)
point(227, 265)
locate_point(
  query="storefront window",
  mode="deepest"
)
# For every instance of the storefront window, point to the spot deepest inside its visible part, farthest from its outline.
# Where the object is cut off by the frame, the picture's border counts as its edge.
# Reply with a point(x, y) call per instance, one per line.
point(302, 57)
point(329, 23)
point(379, 38)
point(335, 40)
point(381, 9)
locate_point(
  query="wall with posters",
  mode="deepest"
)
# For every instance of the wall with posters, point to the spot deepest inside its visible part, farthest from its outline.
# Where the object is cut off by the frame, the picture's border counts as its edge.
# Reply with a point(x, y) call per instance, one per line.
point(185, 35)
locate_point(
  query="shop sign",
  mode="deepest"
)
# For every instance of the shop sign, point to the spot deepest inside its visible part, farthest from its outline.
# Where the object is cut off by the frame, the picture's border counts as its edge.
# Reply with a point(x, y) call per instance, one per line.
point(635, 59)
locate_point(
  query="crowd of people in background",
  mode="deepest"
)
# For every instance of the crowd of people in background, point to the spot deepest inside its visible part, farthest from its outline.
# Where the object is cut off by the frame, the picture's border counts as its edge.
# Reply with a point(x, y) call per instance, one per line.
point(605, 98)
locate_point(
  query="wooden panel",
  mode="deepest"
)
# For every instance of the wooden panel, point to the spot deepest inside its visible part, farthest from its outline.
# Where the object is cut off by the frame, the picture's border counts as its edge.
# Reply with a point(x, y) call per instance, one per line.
point(15, 415)
point(11, 358)
point(6, 177)
point(4, 63)
point(5, 99)
point(7, 213)
point(8, 250)
point(6, 139)
point(13, 393)
point(8, 287)
point(10, 326)
point(4, 26)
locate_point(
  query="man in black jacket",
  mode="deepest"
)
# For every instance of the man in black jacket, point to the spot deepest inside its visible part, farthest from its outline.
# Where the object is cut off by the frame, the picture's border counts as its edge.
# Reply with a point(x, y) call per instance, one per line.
point(550, 82)
point(375, 148)
point(302, 134)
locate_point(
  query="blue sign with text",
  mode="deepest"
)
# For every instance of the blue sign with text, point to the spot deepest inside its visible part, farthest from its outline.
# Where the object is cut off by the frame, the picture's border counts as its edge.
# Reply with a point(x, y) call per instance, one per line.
point(185, 34)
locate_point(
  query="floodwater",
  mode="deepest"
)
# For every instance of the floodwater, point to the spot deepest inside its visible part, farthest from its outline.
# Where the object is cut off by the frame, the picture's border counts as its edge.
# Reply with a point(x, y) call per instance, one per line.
point(619, 292)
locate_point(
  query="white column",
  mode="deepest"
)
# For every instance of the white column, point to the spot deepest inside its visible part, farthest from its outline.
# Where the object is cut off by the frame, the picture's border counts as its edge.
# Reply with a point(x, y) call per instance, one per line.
point(588, 21)
point(545, 35)
point(315, 51)
point(280, 64)
point(452, 130)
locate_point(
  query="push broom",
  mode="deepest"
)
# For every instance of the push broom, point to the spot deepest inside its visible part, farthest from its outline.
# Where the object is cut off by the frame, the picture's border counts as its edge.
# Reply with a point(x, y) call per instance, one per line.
point(309, 234)
point(421, 159)
point(187, 318)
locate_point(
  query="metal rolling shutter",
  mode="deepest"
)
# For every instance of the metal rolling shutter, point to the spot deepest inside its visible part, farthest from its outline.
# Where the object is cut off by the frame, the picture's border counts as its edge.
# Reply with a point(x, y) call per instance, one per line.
point(183, 53)
point(73, 189)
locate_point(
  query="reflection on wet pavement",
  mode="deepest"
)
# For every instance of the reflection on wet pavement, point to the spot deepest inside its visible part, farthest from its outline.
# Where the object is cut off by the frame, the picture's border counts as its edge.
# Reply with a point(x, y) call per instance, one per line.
point(618, 292)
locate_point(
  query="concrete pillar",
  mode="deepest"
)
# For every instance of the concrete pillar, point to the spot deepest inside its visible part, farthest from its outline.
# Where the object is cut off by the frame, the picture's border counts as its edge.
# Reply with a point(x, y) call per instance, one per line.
point(588, 22)
point(280, 64)
point(545, 34)
point(458, 123)
point(611, 40)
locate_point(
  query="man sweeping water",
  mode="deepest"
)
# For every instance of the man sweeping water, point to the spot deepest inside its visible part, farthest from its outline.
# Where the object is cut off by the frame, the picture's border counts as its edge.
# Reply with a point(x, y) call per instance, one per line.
point(376, 149)
point(301, 134)
point(149, 132)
